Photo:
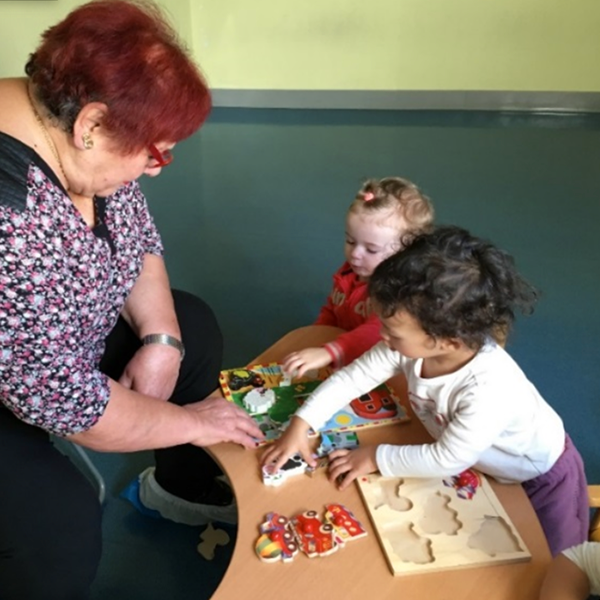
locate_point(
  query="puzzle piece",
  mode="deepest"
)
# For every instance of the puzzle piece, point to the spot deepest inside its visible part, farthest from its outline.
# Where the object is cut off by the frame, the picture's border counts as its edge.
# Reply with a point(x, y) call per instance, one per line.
point(295, 465)
point(276, 541)
point(211, 538)
point(334, 440)
point(259, 400)
point(287, 378)
point(465, 484)
point(314, 537)
point(345, 524)
point(322, 462)
point(281, 538)
point(376, 404)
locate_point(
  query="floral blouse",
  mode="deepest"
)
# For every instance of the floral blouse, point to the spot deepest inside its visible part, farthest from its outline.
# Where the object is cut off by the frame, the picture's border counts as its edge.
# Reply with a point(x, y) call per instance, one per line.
point(62, 288)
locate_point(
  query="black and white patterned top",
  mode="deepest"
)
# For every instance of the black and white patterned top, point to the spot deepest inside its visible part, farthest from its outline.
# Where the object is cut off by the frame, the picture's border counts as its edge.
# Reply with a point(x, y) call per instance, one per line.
point(62, 287)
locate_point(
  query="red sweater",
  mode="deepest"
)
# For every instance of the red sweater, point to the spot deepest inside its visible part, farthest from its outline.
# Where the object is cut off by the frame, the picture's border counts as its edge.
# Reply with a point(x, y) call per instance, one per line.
point(348, 307)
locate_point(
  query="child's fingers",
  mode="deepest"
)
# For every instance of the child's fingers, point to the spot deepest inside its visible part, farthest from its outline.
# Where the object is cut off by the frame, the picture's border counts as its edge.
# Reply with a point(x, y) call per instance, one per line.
point(341, 472)
point(292, 363)
point(346, 480)
point(298, 366)
point(277, 463)
point(287, 361)
point(268, 455)
point(338, 454)
point(302, 369)
point(337, 468)
point(347, 465)
point(309, 458)
point(276, 459)
point(287, 357)
point(340, 477)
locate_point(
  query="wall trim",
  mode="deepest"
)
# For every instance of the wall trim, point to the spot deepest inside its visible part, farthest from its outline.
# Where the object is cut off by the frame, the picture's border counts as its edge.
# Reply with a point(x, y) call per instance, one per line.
point(543, 102)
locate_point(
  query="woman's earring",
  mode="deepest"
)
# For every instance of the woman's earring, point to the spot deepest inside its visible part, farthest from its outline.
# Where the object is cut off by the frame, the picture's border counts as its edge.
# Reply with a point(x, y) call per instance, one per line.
point(88, 142)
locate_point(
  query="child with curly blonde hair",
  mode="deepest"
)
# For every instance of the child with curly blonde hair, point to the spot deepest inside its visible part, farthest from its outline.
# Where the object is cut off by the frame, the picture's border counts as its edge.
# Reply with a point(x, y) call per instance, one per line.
point(384, 214)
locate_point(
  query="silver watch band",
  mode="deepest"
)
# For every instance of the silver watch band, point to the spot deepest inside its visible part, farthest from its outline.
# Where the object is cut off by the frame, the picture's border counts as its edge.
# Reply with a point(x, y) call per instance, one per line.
point(167, 340)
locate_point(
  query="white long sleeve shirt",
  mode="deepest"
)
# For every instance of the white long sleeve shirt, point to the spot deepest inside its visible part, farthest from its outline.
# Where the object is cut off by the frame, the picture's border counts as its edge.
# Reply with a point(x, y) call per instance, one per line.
point(486, 415)
point(587, 557)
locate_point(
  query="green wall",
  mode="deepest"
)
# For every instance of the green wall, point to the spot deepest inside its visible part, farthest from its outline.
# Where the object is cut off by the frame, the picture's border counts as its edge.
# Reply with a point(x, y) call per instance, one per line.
point(23, 22)
point(538, 45)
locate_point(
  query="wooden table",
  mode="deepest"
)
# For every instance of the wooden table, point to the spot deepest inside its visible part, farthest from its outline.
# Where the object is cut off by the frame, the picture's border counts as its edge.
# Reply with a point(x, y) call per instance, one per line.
point(359, 570)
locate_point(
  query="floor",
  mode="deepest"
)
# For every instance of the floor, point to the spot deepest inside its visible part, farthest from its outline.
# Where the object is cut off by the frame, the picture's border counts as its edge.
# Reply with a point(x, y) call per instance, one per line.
point(147, 558)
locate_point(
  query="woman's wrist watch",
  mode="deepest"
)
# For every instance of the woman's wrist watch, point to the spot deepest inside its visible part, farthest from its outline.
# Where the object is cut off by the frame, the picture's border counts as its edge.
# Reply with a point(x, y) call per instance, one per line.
point(165, 339)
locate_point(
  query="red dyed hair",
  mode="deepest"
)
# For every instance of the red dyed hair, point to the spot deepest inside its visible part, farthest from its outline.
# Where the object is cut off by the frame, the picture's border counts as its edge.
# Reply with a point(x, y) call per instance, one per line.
point(123, 53)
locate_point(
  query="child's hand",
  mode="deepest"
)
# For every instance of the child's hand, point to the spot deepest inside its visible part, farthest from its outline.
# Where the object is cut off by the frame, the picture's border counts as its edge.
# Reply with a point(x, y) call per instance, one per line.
point(293, 440)
point(305, 360)
point(346, 465)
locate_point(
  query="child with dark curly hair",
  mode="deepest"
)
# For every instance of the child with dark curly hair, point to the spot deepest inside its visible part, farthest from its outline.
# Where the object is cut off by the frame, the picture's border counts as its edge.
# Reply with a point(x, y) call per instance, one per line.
point(440, 302)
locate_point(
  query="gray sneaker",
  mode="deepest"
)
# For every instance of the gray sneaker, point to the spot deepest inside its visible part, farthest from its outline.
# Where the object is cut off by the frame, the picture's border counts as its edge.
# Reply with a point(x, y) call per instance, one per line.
point(171, 507)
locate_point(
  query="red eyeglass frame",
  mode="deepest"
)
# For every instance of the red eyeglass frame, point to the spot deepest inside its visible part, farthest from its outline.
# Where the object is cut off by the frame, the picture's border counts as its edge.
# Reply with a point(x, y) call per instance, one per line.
point(162, 158)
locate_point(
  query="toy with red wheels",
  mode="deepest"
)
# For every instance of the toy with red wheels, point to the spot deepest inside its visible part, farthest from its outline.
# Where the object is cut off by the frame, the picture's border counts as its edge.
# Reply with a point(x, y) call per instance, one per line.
point(314, 537)
point(276, 541)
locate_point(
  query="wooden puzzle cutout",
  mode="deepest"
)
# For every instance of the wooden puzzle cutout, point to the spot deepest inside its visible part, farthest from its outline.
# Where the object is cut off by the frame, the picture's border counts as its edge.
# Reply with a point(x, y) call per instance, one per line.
point(427, 525)
point(494, 537)
point(389, 494)
point(211, 538)
point(438, 517)
point(271, 397)
point(409, 546)
point(281, 538)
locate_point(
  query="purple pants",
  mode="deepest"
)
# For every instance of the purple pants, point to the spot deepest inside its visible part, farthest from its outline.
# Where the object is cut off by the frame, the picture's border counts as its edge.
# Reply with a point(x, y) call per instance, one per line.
point(560, 500)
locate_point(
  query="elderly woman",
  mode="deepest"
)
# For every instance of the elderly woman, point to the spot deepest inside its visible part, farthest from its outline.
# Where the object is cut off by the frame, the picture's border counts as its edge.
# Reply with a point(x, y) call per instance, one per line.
point(95, 346)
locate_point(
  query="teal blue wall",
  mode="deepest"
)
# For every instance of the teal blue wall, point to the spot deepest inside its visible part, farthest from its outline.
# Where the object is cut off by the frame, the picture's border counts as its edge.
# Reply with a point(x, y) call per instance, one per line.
point(252, 215)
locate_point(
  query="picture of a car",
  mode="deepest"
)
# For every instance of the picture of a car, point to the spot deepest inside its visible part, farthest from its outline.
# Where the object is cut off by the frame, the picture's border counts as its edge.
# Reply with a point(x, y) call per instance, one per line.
point(240, 378)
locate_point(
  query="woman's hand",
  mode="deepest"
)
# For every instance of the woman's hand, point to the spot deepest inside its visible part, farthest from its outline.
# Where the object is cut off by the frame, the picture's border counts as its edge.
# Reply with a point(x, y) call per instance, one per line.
point(294, 440)
point(153, 371)
point(224, 421)
point(304, 360)
point(346, 465)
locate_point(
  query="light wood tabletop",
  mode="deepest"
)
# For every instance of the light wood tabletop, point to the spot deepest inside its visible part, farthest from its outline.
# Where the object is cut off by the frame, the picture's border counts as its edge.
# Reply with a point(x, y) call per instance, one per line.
point(359, 570)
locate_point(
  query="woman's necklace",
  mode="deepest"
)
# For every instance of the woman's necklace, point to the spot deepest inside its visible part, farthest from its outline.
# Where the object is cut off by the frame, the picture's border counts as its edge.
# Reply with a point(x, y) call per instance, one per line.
point(49, 140)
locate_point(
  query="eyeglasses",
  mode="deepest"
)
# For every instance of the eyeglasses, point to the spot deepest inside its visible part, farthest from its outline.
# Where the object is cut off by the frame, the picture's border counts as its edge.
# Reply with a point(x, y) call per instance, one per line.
point(158, 158)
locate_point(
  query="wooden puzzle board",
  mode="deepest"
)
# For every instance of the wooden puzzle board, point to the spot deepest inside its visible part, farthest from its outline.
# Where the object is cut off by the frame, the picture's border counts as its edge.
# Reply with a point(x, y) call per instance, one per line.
point(382, 406)
point(424, 526)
